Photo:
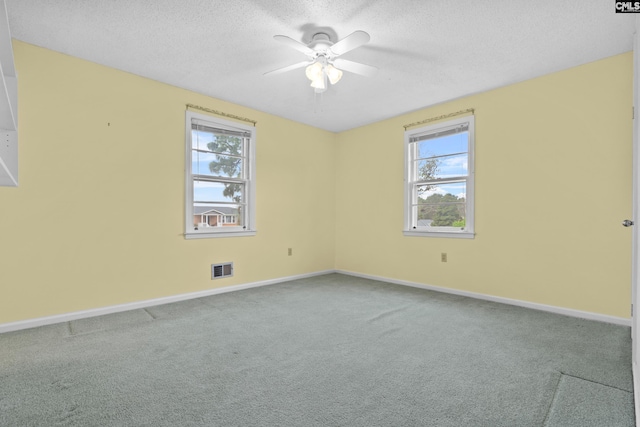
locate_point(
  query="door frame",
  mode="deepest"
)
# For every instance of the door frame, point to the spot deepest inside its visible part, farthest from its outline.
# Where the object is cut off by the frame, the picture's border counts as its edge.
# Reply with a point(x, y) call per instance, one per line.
point(635, 253)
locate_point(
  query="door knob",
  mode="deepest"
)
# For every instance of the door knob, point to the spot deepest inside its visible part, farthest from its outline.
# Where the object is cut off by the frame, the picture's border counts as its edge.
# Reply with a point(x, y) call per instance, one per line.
point(627, 223)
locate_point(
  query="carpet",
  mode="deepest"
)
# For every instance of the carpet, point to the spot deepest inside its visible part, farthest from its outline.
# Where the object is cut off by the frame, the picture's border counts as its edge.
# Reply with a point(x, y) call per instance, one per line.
point(331, 350)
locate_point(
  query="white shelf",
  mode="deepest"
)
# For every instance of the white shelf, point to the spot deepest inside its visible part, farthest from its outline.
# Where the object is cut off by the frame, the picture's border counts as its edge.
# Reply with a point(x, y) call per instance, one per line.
point(8, 158)
point(8, 105)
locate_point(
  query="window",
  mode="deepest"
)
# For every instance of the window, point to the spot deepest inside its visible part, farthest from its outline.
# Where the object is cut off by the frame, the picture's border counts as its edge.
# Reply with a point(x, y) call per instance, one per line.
point(220, 199)
point(439, 179)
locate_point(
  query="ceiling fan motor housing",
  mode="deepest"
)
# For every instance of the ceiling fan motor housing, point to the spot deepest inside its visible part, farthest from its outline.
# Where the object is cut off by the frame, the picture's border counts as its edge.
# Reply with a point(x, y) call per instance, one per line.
point(320, 42)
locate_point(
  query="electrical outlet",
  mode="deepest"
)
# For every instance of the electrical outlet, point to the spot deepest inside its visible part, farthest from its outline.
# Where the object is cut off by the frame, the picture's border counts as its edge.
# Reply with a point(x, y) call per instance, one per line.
point(443, 257)
point(290, 251)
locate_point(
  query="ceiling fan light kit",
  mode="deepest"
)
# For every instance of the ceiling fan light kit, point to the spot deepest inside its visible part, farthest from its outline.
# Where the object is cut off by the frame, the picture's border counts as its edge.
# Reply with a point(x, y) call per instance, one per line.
point(333, 73)
point(319, 71)
point(316, 72)
point(323, 63)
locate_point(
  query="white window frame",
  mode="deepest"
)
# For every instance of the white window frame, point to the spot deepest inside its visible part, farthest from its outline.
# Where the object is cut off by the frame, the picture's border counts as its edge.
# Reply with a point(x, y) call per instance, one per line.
point(248, 228)
point(411, 227)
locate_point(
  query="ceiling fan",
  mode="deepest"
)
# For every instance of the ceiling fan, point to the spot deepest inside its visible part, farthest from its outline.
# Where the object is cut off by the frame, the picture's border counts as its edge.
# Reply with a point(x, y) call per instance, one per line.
point(323, 63)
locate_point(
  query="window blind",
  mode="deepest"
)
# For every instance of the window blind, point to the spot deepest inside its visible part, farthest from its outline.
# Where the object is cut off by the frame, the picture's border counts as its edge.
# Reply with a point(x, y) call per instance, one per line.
point(201, 127)
point(440, 133)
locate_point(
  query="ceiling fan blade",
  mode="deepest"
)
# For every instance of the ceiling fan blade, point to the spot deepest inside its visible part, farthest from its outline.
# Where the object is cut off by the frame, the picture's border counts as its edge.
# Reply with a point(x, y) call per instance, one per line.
point(355, 67)
point(352, 41)
point(295, 44)
point(289, 68)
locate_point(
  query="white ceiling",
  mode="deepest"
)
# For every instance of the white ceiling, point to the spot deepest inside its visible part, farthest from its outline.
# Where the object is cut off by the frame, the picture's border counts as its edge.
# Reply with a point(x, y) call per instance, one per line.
point(428, 52)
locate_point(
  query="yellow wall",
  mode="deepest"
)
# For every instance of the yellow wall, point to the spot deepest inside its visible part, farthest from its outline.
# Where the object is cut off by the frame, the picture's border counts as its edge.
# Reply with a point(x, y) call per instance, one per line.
point(99, 149)
point(553, 183)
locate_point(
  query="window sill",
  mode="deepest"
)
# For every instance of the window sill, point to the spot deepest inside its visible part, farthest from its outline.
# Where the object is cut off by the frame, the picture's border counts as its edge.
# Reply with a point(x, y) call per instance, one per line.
point(445, 234)
point(218, 234)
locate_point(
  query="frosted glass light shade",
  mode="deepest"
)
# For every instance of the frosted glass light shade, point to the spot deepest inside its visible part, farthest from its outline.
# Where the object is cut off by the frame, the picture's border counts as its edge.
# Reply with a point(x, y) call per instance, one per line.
point(334, 74)
point(314, 71)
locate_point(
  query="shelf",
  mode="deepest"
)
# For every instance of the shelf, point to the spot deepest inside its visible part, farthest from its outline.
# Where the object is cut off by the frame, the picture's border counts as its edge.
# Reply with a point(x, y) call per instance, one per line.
point(8, 105)
point(8, 101)
point(8, 158)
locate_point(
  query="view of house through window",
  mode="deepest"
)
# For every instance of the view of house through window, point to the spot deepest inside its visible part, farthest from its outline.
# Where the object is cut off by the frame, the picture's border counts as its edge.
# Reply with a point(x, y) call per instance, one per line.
point(220, 198)
point(439, 182)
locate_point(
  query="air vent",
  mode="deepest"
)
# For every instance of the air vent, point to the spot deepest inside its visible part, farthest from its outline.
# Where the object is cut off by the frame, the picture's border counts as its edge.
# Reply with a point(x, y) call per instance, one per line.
point(218, 271)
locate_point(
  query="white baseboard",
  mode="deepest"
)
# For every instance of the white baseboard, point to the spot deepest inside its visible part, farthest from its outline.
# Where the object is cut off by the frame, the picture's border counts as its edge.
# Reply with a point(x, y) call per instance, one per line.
point(550, 308)
point(50, 320)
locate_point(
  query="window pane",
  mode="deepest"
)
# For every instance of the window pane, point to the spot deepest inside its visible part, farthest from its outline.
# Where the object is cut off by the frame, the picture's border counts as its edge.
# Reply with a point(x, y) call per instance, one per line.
point(200, 139)
point(457, 189)
point(223, 144)
point(204, 191)
point(200, 162)
point(458, 143)
point(442, 205)
point(218, 216)
point(216, 165)
point(442, 167)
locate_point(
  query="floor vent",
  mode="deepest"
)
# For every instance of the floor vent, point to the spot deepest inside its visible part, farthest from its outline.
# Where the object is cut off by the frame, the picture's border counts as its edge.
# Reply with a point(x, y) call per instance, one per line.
point(218, 271)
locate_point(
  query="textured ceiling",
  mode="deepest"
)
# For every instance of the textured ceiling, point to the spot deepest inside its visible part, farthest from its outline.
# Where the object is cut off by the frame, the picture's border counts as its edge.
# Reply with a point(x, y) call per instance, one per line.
point(427, 52)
